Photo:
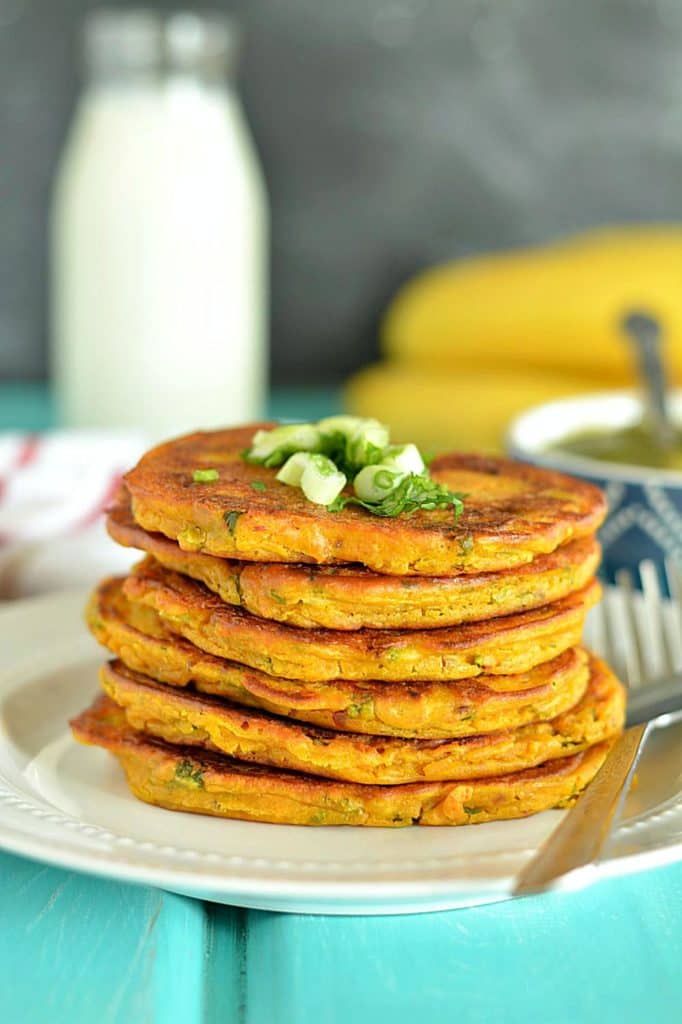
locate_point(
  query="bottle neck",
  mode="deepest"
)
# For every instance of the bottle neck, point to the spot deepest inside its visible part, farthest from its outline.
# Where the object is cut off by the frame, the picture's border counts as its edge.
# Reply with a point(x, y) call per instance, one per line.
point(144, 110)
point(159, 84)
point(143, 48)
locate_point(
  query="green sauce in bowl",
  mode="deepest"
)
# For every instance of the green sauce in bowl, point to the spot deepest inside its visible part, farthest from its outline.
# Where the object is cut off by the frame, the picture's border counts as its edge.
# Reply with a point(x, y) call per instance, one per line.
point(632, 446)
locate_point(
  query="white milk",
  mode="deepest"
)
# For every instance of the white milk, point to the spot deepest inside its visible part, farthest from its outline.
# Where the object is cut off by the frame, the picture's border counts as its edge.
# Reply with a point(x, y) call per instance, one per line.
point(159, 237)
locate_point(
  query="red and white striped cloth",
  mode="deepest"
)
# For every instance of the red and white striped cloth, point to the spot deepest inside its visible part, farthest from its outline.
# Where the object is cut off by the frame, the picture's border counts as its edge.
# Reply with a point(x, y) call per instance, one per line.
point(53, 490)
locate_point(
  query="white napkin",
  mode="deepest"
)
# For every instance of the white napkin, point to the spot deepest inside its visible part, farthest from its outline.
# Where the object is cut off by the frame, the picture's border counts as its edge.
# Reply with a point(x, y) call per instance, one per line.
point(54, 489)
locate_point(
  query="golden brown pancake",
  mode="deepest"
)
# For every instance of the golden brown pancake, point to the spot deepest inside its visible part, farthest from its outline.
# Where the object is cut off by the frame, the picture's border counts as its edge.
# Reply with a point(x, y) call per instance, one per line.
point(136, 634)
point(353, 597)
point(504, 646)
point(215, 725)
point(184, 779)
point(512, 512)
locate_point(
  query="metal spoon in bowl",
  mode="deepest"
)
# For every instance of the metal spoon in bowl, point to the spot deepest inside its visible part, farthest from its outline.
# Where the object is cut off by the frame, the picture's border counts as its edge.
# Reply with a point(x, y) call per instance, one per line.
point(645, 331)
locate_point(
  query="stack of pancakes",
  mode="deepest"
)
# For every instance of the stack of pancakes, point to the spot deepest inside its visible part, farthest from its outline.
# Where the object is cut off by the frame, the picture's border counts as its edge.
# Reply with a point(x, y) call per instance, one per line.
point(279, 662)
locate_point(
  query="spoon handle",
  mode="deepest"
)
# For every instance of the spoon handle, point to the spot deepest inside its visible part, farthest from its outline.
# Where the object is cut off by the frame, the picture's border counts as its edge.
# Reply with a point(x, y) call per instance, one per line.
point(645, 331)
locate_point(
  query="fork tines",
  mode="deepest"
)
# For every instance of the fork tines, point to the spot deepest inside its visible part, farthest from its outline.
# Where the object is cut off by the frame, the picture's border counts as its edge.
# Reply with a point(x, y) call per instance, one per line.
point(639, 631)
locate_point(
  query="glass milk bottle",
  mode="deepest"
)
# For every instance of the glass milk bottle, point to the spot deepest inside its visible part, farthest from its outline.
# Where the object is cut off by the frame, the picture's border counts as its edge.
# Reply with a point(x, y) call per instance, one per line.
point(159, 234)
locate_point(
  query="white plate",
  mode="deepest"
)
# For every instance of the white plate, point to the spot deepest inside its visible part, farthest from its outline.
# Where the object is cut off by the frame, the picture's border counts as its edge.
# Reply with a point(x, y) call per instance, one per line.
point(68, 805)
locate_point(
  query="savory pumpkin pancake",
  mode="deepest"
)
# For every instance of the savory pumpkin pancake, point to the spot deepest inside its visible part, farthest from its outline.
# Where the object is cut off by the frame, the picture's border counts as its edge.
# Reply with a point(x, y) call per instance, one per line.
point(512, 512)
point(353, 597)
point(504, 646)
point(214, 725)
point(136, 634)
point(184, 779)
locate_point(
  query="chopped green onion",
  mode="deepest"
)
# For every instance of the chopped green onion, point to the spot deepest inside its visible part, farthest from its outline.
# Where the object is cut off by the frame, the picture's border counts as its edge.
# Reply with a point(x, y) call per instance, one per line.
point(366, 444)
point(204, 476)
point(322, 465)
point(315, 474)
point(345, 425)
point(273, 447)
point(259, 485)
point(373, 483)
point(352, 442)
point(320, 457)
point(292, 470)
point(321, 481)
point(405, 457)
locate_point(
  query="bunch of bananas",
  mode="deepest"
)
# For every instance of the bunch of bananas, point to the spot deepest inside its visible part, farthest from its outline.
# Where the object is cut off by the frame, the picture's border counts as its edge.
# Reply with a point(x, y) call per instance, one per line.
point(470, 344)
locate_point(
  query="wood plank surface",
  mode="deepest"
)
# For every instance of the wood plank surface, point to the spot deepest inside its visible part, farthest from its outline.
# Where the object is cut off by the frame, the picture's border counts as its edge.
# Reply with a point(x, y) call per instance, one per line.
point(90, 951)
point(611, 953)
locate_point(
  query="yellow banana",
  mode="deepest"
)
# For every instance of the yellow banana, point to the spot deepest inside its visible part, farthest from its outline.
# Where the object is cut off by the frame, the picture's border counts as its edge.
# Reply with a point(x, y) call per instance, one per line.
point(442, 409)
point(555, 308)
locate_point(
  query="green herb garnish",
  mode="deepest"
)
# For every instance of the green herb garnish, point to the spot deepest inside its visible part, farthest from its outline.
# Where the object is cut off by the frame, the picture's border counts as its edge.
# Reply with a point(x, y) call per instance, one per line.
point(473, 810)
point(186, 771)
point(204, 476)
point(466, 544)
point(364, 709)
point(268, 462)
point(413, 492)
point(258, 485)
point(322, 458)
point(349, 455)
point(231, 520)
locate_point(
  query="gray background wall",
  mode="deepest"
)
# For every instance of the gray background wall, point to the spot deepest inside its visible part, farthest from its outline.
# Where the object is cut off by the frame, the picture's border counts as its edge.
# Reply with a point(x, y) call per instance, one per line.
point(393, 133)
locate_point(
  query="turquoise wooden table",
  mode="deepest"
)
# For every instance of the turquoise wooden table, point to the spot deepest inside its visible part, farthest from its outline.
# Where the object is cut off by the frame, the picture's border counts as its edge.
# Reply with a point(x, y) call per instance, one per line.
point(87, 951)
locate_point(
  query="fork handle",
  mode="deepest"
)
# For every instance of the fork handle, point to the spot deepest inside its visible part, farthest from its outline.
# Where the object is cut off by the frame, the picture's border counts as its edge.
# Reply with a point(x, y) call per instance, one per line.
point(580, 837)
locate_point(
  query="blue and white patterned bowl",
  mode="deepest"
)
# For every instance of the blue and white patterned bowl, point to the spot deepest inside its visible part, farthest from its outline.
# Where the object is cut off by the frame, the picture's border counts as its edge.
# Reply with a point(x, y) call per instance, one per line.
point(645, 505)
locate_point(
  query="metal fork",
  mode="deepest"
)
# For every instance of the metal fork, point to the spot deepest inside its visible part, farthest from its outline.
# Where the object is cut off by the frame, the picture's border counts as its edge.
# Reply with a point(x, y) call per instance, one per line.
point(640, 636)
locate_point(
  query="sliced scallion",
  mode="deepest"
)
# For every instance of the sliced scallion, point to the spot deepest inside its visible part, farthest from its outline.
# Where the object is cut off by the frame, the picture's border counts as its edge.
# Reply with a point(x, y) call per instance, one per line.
point(366, 444)
point(405, 457)
point(292, 470)
point(321, 481)
point(320, 457)
point(373, 483)
point(345, 425)
point(204, 476)
point(273, 447)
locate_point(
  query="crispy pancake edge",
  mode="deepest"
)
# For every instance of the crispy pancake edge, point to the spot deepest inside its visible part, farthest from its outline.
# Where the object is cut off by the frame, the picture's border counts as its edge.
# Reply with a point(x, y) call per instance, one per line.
point(228, 518)
point(180, 779)
point(432, 710)
point(508, 645)
point(353, 597)
point(216, 725)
